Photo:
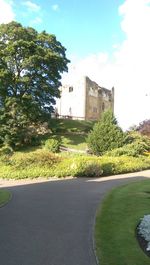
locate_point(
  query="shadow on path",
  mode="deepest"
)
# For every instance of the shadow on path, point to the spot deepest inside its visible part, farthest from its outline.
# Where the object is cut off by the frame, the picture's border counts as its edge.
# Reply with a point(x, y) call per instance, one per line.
point(51, 223)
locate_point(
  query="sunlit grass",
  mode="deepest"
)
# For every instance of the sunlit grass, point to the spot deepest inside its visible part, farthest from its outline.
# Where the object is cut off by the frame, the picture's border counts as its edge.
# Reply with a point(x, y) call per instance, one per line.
point(116, 222)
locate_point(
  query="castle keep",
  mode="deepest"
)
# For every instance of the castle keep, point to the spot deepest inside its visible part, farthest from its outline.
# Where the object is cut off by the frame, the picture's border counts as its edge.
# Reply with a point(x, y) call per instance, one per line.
point(84, 100)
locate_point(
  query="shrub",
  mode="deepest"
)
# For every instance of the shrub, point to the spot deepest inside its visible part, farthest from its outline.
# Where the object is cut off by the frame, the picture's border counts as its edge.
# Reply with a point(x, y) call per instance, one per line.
point(123, 164)
point(86, 168)
point(144, 229)
point(41, 158)
point(52, 145)
point(6, 150)
point(78, 167)
point(106, 135)
point(138, 146)
point(42, 163)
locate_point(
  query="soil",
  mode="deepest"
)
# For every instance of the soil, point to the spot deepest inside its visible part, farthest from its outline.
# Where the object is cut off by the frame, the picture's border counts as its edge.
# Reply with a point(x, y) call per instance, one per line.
point(142, 242)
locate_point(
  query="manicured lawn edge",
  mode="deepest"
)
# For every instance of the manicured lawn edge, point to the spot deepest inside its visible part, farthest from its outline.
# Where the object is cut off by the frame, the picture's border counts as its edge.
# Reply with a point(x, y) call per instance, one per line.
point(116, 222)
point(5, 197)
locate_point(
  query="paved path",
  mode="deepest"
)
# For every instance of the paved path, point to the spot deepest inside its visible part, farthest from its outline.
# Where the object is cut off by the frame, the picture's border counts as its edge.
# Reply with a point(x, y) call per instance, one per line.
point(51, 223)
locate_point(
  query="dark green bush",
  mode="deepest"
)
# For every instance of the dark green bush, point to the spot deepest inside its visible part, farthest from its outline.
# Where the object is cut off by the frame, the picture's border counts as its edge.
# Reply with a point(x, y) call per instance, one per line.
point(52, 145)
point(106, 135)
point(6, 150)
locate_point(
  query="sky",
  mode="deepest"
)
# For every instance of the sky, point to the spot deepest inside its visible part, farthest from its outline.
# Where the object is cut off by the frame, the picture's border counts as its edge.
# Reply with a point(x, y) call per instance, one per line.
point(106, 40)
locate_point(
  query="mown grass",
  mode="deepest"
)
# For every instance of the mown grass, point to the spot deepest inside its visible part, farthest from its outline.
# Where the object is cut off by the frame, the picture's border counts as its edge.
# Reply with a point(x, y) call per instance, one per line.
point(116, 223)
point(73, 141)
point(5, 196)
point(67, 126)
point(72, 133)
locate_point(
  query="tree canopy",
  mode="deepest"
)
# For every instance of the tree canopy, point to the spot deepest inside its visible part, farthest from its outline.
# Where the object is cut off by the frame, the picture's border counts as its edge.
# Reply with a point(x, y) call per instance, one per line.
point(31, 65)
point(144, 127)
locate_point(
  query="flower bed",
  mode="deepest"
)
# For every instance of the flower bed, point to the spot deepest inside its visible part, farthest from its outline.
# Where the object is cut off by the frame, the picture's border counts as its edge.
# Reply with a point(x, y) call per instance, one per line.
point(144, 232)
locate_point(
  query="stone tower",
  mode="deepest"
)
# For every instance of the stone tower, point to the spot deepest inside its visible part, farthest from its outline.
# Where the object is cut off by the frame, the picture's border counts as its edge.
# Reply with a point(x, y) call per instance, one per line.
point(84, 99)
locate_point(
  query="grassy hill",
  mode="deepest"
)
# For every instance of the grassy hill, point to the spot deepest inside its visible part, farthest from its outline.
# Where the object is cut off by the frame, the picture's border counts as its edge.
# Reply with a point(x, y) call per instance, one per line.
point(72, 133)
point(70, 126)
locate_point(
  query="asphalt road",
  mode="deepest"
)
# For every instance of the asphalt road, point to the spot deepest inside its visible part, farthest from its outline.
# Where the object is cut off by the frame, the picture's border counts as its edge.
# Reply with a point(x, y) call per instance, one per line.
point(52, 223)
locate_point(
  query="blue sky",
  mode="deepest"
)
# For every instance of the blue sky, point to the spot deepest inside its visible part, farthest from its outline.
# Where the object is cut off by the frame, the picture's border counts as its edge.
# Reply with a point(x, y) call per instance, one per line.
point(107, 40)
point(82, 26)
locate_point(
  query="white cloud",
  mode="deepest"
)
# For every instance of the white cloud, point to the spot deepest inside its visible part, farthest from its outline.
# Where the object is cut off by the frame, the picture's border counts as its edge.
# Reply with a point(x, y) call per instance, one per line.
point(55, 7)
point(32, 6)
point(36, 21)
point(6, 11)
point(128, 68)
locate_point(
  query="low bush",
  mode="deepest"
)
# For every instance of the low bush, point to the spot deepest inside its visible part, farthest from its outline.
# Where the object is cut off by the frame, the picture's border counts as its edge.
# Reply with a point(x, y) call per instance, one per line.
point(33, 159)
point(42, 163)
point(90, 166)
point(6, 150)
point(52, 145)
point(134, 149)
point(138, 147)
point(123, 164)
point(78, 166)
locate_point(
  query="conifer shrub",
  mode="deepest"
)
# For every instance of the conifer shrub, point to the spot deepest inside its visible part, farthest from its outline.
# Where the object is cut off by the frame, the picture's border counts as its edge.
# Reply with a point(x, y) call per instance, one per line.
point(106, 135)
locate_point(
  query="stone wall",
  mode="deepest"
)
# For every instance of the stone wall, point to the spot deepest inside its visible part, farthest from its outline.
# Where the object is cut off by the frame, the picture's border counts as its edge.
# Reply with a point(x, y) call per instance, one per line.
point(84, 99)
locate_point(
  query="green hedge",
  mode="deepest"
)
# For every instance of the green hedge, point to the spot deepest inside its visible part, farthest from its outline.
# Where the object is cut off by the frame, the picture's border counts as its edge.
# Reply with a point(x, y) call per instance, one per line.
point(42, 163)
point(133, 149)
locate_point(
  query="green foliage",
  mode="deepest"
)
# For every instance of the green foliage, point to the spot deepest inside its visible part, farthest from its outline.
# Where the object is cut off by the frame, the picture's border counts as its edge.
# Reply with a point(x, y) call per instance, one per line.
point(78, 166)
point(42, 163)
point(123, 164)
point(134, 136)
point(6, 150)
point(138, 146)
point(33, 159)
point(31, 64)
point(52, 145)
point(106, 135)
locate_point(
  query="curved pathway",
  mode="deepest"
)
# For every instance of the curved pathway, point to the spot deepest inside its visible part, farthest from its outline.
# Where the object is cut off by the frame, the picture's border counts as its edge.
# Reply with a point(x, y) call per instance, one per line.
point(51, 223)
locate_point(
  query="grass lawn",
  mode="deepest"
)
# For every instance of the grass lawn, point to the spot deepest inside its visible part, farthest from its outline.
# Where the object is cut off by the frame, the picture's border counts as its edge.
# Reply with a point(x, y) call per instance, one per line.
point(72, 133)
point(67, 126)
point(5, 196)
point(74, 141)
point(116, 223)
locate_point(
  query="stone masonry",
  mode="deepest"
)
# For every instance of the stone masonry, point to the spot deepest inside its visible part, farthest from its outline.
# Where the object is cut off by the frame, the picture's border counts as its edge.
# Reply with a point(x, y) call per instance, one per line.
point(84, 99)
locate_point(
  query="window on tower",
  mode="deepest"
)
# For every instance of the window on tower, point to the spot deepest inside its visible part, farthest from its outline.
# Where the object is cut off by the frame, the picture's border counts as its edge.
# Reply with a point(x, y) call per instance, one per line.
point(70, 88)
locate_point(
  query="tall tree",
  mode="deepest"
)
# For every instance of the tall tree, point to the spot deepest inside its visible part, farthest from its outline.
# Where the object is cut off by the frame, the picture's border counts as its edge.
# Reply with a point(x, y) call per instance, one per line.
point(31, 65)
